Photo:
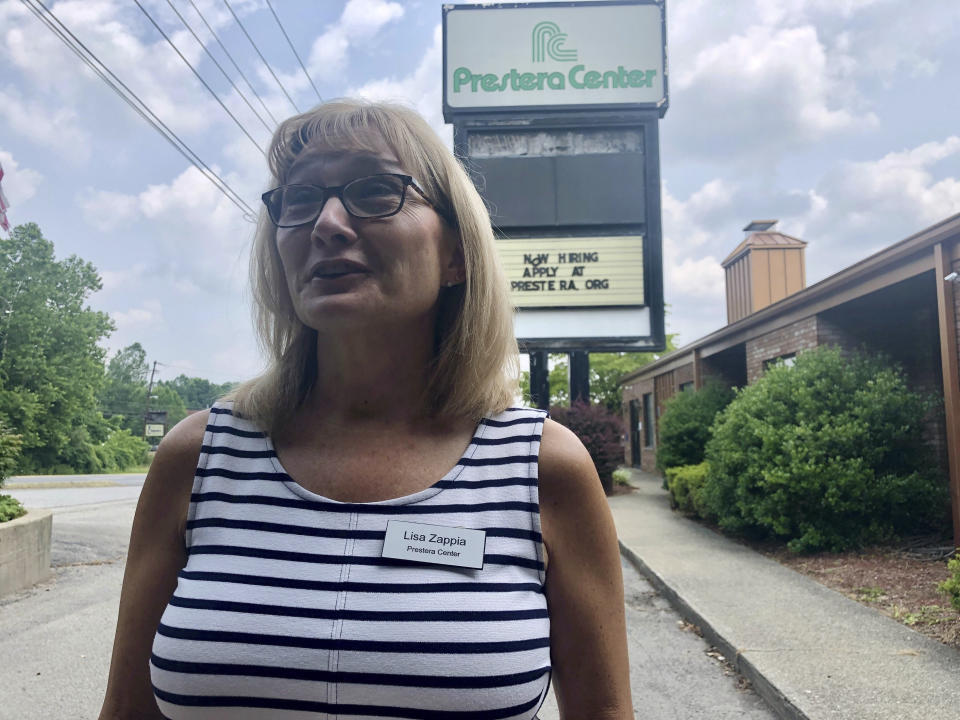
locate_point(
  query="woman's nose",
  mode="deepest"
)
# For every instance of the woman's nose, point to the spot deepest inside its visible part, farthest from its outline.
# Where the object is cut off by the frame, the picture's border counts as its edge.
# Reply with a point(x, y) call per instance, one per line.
point(334, 223)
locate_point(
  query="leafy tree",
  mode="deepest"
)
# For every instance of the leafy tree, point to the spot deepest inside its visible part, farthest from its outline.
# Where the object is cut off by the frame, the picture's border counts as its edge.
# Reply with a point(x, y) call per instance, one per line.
point(166, 398)
point(197, 393)
point(51, 367)
point(124, 393)
point(606, 369)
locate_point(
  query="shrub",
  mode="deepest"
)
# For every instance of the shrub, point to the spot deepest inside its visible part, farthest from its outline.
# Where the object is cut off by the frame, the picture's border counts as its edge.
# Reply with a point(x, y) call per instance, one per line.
point(122, 450)
point(685, 424)
point(825, 454)
point(600, 431)
point(621, 476)
point(10, 507)
point(951, 586)
point(10, 445)
point(685, 484)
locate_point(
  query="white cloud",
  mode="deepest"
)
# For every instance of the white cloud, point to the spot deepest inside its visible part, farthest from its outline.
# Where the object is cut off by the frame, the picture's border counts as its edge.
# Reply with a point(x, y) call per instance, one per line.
point(124, 279)
point(62, 87)
point(57, 129)
point(871, 204)
point(696, 278)
point(19, 183)
point(763, 92)
point(106, 210)
point(422, 88)
point(149, 314)
point(196, 236)
point(360, 21)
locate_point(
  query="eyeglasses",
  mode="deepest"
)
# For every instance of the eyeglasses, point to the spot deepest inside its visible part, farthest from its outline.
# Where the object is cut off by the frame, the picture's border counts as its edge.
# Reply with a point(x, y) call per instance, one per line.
point(374, 196)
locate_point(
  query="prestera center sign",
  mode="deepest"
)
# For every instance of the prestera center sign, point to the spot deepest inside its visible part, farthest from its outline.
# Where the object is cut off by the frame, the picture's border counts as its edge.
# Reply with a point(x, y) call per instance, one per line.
point(591, 54)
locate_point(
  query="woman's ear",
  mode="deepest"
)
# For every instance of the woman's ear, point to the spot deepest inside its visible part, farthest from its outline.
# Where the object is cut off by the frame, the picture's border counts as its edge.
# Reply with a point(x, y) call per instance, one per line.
point(455, 271)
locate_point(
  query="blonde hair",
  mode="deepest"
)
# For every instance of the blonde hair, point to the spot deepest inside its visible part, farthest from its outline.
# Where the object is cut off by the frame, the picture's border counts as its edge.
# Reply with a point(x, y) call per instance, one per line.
point(475, 364)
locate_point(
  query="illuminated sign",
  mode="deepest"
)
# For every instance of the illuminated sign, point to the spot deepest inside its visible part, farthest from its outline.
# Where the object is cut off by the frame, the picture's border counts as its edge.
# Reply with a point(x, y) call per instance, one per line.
point(574, 272)
point(542, 55)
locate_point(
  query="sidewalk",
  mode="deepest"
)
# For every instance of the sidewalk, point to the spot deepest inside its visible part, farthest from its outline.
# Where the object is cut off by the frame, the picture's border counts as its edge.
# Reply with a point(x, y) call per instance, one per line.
point(809, 651)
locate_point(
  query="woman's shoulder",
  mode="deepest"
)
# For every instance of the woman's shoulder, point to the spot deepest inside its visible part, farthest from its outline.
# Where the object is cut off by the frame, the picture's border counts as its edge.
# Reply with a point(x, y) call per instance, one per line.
point(186, 436)
point(566, 467)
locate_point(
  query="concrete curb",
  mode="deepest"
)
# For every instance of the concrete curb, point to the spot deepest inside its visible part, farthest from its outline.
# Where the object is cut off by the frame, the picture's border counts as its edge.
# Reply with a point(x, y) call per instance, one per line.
point(772, 695)
point(25, 550)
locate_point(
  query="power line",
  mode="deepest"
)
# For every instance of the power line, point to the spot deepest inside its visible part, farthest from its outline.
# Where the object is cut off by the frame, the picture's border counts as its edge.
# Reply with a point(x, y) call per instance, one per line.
point(92, 61)
point(270, 69)
point(219, 66)
point(198, 76)
point(302, 66)
point(235, 65)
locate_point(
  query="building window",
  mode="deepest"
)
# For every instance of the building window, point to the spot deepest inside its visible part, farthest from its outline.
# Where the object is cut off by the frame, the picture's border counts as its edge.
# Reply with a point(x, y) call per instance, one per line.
point(789, 360)
point(686, 386)
point(648, 420)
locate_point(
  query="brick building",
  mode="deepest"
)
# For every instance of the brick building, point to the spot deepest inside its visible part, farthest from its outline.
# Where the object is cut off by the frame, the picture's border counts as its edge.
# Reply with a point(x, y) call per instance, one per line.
point(903, 301)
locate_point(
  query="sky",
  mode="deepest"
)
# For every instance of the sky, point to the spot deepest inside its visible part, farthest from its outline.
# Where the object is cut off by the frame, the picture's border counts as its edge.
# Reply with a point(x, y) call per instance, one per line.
point(840, 118)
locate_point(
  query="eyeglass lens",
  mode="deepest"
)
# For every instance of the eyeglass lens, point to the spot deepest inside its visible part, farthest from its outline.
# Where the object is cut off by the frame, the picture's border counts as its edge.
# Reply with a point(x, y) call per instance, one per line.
point(373, 196)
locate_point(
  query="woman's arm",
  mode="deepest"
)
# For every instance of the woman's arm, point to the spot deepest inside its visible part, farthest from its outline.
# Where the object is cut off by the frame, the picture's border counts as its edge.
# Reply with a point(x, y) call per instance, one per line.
point(157, 553)
point(584, 586)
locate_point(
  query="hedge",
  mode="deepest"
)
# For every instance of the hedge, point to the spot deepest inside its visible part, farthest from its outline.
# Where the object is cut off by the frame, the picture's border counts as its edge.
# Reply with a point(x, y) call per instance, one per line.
point(827, 454)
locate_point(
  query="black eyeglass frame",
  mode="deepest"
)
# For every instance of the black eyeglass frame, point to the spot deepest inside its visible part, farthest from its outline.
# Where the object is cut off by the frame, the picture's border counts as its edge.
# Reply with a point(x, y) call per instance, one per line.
point(338, 190)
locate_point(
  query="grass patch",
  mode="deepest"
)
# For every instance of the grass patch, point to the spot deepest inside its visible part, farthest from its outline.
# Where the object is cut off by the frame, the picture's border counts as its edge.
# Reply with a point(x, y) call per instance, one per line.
point(870, 594)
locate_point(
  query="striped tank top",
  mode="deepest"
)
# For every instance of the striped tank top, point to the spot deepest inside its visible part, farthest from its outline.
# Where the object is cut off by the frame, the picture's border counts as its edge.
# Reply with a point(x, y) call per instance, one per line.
point(286, 608)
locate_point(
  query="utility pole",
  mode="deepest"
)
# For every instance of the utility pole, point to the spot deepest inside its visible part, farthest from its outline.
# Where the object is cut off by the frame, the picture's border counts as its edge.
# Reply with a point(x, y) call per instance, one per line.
point(146, 412)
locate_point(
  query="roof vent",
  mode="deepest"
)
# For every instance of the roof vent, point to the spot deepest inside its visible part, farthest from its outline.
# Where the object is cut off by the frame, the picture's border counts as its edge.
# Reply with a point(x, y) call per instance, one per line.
point(761, 226)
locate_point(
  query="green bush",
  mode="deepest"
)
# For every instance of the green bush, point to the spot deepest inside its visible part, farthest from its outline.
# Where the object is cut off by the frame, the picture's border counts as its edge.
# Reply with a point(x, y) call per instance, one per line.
point(621, 476)
point(685, 484)
point(685, 424)
point(951, 586)
point(827, 454)
point(10, 508)
point(600, 431)
point(120, 451)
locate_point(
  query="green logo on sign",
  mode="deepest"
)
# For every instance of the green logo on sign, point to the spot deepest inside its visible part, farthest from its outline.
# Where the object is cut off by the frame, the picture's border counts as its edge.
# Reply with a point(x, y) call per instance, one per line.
point(547, 40)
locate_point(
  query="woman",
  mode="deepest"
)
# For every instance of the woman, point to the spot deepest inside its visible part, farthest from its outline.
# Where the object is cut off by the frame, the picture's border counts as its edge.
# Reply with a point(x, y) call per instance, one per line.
point(369, 529)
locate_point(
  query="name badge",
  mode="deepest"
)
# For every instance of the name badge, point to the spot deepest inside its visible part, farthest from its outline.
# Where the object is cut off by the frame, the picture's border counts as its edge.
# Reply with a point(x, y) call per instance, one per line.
point(438, 544)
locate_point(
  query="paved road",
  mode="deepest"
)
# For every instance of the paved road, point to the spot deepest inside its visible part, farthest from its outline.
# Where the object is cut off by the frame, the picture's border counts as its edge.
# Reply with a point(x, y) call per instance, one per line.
point(55, 639)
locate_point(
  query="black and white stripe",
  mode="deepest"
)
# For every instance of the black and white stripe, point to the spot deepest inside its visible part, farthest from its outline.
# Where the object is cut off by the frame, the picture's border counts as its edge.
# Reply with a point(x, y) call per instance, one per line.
point(286, 608)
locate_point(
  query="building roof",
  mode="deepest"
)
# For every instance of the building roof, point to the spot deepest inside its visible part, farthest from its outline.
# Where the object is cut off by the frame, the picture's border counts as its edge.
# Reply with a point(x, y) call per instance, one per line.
point(763, 240)
point(894, 263)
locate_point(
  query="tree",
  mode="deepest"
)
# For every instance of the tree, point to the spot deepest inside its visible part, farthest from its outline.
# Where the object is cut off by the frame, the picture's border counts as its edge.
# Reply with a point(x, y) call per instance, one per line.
point(124, 393)
point(51, 367)
point(197, 393)
point(606, 369)
point(167, 399)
